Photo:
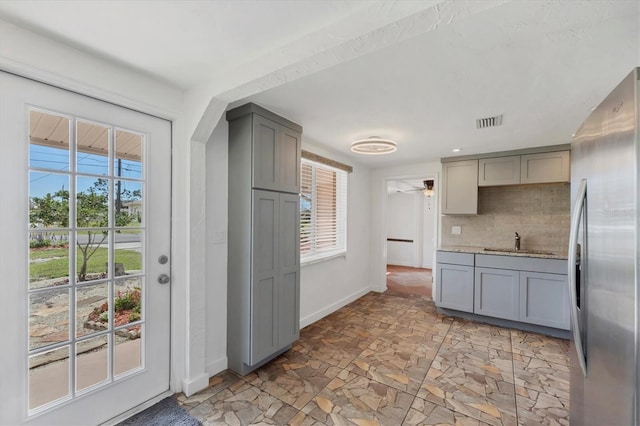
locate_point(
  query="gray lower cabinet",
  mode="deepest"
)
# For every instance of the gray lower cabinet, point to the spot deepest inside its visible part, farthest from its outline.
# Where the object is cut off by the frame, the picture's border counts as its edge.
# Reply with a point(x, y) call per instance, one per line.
point(263, 264)
point(497, 293)
point(515, 288)
point(275, 294)
point(454, 281)
point(544, 299)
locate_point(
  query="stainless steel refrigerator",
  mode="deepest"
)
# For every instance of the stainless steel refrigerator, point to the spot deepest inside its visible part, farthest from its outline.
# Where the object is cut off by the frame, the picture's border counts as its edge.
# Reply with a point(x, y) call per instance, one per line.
point(603, 261)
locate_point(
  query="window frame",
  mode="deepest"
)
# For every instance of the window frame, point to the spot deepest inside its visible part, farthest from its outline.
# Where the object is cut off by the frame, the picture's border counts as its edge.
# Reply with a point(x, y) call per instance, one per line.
point(315, 255)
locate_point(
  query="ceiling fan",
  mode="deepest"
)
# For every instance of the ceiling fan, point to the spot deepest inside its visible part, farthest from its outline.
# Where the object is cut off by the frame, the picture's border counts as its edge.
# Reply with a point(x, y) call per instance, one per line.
point(427, 188)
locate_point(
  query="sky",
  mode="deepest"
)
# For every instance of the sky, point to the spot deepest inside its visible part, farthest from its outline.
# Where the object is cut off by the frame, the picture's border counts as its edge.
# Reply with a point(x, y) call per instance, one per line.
point(55, 163)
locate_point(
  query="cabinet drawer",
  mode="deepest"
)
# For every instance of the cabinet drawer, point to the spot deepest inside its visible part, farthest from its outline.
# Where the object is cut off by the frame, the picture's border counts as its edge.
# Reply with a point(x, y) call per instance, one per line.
point(455, 258)
point(518, 263)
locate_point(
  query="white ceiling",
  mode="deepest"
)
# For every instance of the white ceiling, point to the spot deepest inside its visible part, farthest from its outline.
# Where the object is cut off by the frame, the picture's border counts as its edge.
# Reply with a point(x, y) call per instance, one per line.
point(543, 64)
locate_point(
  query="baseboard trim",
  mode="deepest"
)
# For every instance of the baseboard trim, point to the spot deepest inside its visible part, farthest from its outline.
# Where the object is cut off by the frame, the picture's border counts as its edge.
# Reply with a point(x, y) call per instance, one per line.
point(189, 387)
point(310, 319)
point(216, 366)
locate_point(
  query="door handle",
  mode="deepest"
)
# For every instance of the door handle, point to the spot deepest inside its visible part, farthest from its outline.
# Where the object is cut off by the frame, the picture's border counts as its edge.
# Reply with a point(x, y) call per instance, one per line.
point(164, 279)
point(578, 209)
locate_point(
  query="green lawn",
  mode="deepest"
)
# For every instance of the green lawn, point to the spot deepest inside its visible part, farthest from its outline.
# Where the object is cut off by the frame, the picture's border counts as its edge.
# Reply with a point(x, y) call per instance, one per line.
point(59, 265)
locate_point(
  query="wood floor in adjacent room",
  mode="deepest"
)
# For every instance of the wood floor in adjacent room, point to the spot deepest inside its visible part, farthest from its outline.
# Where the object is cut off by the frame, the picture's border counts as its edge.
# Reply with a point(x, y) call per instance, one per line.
point(403, 280)
point(392, 360)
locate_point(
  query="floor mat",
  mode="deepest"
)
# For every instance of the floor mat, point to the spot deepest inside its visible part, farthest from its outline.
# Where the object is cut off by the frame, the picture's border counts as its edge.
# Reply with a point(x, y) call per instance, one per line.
point(165, 412)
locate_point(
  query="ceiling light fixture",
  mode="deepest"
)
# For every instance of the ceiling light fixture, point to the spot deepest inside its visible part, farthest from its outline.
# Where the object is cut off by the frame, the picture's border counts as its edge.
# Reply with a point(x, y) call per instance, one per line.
point(428, 187)
point(456, 150)
point(374, 146)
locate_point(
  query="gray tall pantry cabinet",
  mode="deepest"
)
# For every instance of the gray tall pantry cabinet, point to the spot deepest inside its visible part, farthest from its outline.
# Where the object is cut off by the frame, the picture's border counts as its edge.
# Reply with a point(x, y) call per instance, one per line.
point(263, 295)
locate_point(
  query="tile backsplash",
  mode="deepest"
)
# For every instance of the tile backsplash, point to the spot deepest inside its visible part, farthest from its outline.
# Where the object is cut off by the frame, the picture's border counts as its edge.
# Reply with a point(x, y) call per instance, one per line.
point(539, 213)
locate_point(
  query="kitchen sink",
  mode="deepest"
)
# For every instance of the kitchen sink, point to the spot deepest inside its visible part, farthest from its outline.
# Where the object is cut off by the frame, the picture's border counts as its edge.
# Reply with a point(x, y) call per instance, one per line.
point(504, 250)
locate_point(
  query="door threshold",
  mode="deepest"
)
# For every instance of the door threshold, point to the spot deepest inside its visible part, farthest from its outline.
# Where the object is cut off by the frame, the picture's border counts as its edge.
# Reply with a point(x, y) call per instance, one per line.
point(135, 410)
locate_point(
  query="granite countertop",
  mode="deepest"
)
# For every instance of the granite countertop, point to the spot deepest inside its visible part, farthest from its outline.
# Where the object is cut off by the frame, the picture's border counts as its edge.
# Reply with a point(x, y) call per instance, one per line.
point(524, 253)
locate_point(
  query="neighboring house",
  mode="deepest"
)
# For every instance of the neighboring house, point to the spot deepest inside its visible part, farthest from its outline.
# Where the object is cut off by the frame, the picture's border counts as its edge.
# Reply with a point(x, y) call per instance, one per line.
point(134, 208)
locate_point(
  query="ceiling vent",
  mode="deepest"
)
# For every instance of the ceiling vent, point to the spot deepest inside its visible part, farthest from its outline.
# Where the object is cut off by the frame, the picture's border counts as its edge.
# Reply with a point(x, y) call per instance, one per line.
point(483, 123)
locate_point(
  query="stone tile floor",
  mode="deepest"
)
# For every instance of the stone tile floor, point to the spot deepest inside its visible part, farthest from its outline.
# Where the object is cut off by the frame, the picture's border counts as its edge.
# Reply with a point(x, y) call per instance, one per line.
point(392, 360)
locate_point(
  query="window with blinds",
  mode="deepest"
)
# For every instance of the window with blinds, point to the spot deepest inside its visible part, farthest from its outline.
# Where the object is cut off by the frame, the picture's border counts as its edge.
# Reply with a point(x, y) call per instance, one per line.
point(323, 211)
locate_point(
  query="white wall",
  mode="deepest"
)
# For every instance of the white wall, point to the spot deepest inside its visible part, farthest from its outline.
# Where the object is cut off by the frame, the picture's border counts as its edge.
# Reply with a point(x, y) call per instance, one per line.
point(217, 156)
point(404, 222)
point(329, 285)
point(378, 212)
point(429, 221)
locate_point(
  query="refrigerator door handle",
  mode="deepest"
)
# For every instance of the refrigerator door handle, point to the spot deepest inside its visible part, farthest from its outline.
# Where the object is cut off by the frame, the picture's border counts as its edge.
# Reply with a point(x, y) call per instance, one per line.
point(578, 209)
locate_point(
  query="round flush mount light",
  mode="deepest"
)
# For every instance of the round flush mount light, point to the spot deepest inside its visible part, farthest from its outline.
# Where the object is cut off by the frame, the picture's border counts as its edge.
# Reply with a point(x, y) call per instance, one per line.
point(456, 150)
point(374, 146)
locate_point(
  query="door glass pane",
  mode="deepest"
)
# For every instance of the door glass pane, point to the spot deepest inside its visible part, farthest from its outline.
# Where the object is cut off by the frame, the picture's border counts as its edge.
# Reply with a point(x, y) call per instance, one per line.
point(128, 350)
point(128, 158)
point(48, 200)
point(92, 154)
point(128, 203)
point(48, 377)
point(128, 252)
point(48, 259)
point(92, 202)
point(92, 362)
point(127, 301)
point(92, 309)
point(48, 317)
point(48, 141)
point(92, 255)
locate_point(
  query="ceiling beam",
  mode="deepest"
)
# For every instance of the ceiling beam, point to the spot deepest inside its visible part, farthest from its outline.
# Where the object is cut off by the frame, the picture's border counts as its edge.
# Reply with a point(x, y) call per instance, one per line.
point(380, 25)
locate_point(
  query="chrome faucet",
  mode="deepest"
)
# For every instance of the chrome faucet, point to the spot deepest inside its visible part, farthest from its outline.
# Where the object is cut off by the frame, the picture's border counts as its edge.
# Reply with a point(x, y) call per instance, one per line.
point(517, 242)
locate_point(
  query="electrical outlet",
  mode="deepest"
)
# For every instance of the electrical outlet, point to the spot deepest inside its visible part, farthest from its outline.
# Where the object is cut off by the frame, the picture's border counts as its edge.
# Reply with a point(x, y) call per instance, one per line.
point(456, 230)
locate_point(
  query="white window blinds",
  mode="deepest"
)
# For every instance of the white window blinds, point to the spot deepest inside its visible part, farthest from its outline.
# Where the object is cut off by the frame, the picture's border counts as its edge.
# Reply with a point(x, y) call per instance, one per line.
point(323, 211)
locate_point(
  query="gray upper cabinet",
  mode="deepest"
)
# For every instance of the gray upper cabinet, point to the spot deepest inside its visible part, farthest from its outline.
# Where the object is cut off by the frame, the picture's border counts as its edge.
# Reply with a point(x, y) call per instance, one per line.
point(289, 159)
point(266, 136)
point(546, 167)
point(275, 148)
point(263, 285)
point(276, 156)
point(499, 171)
point(460, 187)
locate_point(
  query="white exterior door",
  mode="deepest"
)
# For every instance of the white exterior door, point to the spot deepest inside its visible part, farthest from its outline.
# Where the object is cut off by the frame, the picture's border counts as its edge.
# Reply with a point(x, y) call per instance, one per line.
point(85, 211)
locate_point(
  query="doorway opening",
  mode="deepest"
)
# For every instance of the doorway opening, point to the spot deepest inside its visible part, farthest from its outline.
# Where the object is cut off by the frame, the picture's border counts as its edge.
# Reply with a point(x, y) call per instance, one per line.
point(410, 236)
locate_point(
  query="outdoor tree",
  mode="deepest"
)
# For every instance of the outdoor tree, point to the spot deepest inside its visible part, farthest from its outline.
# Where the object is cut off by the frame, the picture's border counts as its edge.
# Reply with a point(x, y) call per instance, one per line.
point(92, 211)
